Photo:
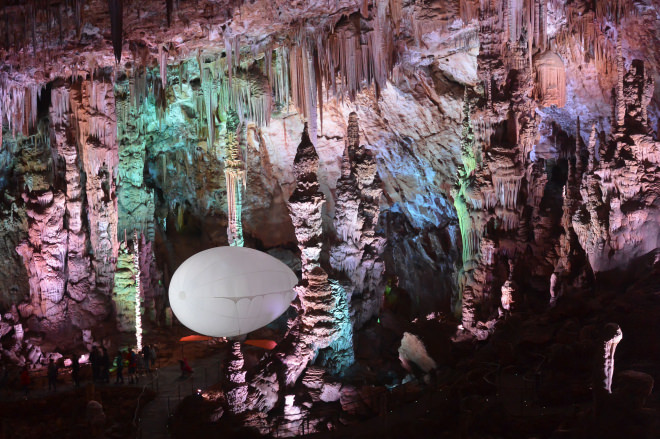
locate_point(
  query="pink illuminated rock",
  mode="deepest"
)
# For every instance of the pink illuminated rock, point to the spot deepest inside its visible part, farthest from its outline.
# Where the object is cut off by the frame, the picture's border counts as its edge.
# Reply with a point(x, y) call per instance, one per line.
point(625, 175)
point(306, 203)
point(412, 350)
point(509, 290)
point(550, 87)
point(44, 255)
point(93, 114)
point(612, 337)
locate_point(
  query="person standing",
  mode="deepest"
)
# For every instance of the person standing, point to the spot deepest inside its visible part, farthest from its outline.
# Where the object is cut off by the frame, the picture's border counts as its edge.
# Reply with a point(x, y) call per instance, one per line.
point(153, 355)
point(119, 362)
point(105, 366)
point(186, 370)
point(132, 367)
point(75, 371)
point(52, 375)
point(94, 359)
point(146, 354)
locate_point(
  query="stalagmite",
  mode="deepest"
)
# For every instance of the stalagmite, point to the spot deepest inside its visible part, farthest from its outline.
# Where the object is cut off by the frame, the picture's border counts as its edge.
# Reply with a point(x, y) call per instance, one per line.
point(138, 292)
point(620, 103)
point(612, 337)
point(357, 209)
point(236, 178)
point(306, 203)
point(608, 236)
point(508, 290)
point(44, 253)
point(237, 388)
point(80, 277)
point(592, 164)
point(554, 290)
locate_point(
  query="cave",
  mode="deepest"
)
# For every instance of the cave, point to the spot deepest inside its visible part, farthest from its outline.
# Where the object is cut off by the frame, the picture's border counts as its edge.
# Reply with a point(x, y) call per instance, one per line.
point(468, 194)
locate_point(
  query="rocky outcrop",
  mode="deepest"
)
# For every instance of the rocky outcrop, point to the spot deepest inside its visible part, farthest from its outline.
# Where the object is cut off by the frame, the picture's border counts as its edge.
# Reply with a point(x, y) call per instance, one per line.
point(94, 118)
point(135, 202)
point(324, 316)
point(80, 276)
point(323, 327)
point(44, 255)
point(550, 81)
point(357, 210)
point(413, 351)
point(619, 217)
point(124, 289)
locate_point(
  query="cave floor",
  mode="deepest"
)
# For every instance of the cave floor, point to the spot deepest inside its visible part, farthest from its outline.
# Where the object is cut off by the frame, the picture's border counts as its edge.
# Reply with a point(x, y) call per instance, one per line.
point(172, 388)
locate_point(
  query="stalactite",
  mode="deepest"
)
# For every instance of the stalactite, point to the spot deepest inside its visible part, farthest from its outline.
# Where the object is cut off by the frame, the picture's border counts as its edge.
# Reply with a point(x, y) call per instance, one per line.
point(210, 104)
point(279, 81)
point(550, 83)
point(162, 57)
point(116, 25)
point(469, 10)
point(169, 7)
point(507, 188)
point(396, 13)
point(340, 63)
point(515, 10)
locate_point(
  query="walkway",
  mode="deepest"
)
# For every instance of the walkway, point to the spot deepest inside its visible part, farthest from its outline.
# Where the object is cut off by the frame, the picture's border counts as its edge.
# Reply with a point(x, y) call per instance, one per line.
point(171, 389)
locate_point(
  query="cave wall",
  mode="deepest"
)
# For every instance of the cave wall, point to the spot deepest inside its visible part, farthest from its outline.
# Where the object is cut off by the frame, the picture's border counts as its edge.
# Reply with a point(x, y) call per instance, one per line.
point(464, 116)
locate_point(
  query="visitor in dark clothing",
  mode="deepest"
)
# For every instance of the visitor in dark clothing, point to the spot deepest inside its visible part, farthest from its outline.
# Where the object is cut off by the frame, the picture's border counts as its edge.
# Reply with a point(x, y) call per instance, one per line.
point(95, 360)
point(75, 371)
point(146, 355)
point(132, 367)
point(52, 375)
point(105, 366)
point(185, 368)
point(153, 355)
point(119, 362)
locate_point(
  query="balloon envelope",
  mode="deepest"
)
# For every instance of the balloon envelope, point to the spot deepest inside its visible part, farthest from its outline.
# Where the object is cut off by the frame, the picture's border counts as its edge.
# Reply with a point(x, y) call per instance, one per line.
point(229, 291)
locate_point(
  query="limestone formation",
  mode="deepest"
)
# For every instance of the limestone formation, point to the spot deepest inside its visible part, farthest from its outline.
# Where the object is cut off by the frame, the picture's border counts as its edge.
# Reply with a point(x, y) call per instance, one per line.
point(237, 389)
point(550, 82)
point(618, 218)
point(306, 203)
point(509, 290)
point(611, 338)
point(412, 350)
point(490, 134)
point(357, 208)
point(124, 289)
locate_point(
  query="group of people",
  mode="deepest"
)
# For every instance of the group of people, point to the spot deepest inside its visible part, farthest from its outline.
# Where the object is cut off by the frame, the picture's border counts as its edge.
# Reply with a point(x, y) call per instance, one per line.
point(136, 362)
point(51, 373)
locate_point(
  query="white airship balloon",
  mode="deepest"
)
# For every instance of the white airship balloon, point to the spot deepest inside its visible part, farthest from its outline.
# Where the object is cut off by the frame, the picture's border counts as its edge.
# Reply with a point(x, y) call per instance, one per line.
point(229, 291)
